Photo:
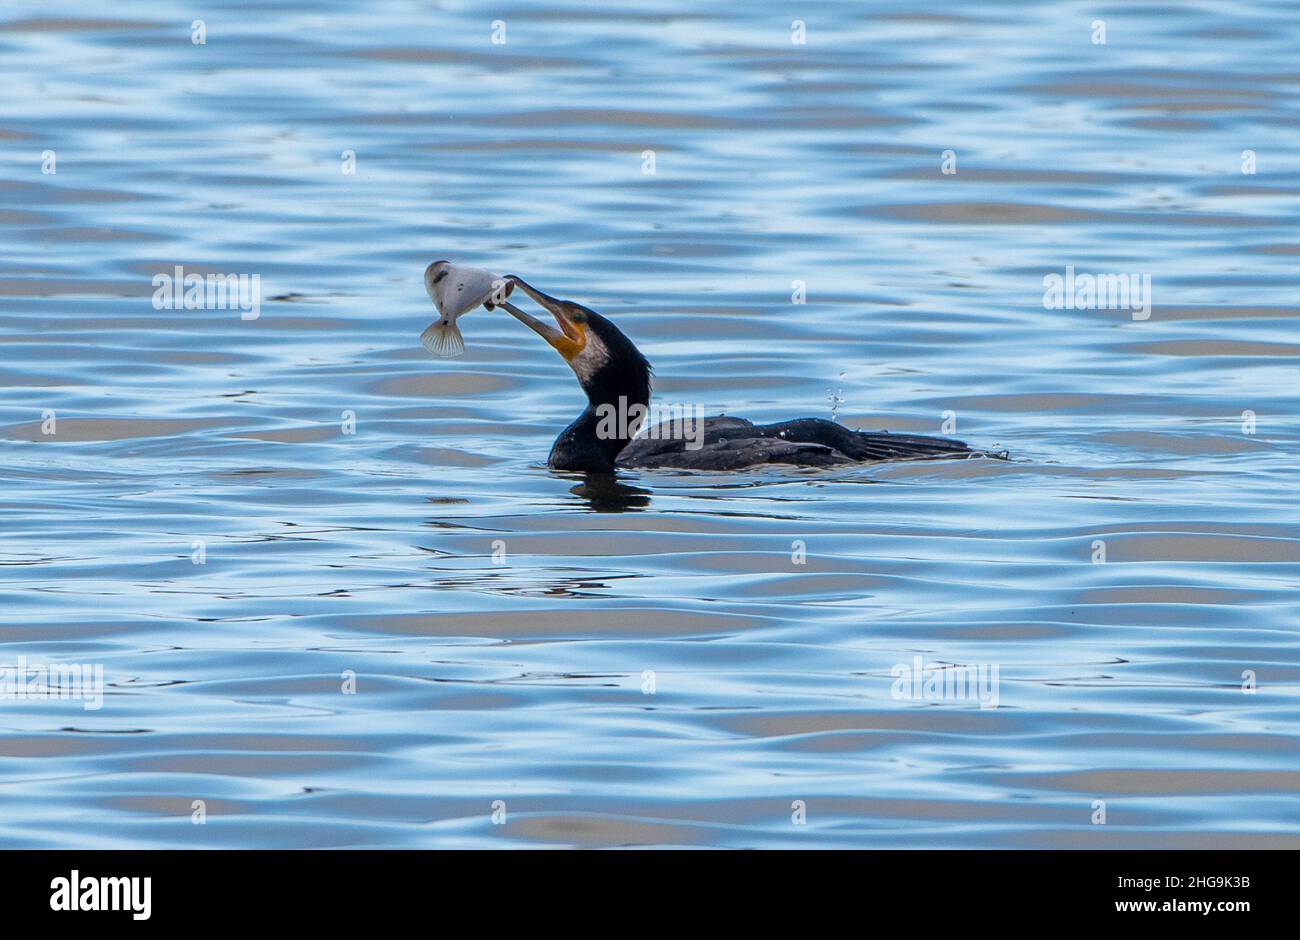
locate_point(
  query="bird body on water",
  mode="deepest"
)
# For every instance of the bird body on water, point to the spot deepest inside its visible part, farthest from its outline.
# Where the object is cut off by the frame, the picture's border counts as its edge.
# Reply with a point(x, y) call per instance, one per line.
point(615, 375)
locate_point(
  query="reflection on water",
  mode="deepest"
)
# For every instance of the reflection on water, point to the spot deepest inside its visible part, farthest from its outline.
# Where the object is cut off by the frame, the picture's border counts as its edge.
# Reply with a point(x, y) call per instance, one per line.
point(601, 493)
point(338, 598)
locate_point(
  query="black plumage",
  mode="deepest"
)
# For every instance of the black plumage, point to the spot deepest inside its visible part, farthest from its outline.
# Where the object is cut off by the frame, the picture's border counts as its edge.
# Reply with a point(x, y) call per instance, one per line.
point(616, 378)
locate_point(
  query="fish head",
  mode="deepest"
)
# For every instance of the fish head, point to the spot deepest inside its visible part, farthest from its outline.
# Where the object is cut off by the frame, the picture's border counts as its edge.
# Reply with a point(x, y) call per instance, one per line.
point(434, 275)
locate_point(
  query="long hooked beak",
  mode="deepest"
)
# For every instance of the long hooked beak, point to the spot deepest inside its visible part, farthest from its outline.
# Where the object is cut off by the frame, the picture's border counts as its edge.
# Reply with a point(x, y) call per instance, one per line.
point(569, 340)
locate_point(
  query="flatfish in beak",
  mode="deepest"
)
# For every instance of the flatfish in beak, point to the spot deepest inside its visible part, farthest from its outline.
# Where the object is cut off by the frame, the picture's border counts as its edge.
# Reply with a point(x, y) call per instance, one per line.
point(456, 290)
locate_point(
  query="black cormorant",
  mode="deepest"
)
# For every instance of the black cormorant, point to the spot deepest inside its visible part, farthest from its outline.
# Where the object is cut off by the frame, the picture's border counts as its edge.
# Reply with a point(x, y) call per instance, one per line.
point(616, 377)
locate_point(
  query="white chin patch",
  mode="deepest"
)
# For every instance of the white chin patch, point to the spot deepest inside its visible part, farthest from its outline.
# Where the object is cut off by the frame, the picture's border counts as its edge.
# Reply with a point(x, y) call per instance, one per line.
point(594, 356)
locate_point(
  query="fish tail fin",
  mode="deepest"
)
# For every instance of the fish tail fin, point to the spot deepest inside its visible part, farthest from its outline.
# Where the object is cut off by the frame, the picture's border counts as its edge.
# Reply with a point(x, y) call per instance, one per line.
point(442, 338)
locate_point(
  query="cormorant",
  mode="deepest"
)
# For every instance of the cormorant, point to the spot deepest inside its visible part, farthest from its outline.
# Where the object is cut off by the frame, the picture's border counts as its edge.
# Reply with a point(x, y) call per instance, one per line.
point(616, 377)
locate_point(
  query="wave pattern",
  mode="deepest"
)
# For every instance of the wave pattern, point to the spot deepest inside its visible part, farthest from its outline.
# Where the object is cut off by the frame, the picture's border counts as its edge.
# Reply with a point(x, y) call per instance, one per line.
point(403, 627)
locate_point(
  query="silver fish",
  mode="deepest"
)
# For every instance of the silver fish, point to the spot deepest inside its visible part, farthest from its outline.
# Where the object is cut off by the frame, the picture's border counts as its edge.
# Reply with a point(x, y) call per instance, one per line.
point(455, 291)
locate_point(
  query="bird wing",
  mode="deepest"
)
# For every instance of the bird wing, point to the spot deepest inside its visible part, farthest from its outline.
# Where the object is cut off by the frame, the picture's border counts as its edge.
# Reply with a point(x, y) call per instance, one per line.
point(728, 443)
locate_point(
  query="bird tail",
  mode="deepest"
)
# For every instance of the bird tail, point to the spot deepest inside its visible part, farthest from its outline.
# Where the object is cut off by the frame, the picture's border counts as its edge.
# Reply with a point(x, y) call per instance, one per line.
point(442, 338)
point(882, 445)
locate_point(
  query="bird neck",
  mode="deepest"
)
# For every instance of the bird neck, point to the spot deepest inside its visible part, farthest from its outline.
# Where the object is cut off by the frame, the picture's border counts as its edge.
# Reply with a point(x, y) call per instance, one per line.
point(617, 404)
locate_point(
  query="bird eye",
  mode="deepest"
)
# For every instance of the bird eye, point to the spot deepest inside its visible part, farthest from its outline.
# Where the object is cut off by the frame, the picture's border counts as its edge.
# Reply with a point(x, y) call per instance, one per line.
point(579, 316)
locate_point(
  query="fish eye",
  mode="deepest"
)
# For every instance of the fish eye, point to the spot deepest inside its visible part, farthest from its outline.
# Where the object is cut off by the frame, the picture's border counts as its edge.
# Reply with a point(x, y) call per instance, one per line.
point(441, 275)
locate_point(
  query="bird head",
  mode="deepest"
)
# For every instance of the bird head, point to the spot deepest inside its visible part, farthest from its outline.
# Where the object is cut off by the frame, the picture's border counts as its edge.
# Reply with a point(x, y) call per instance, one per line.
point(604, 360)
